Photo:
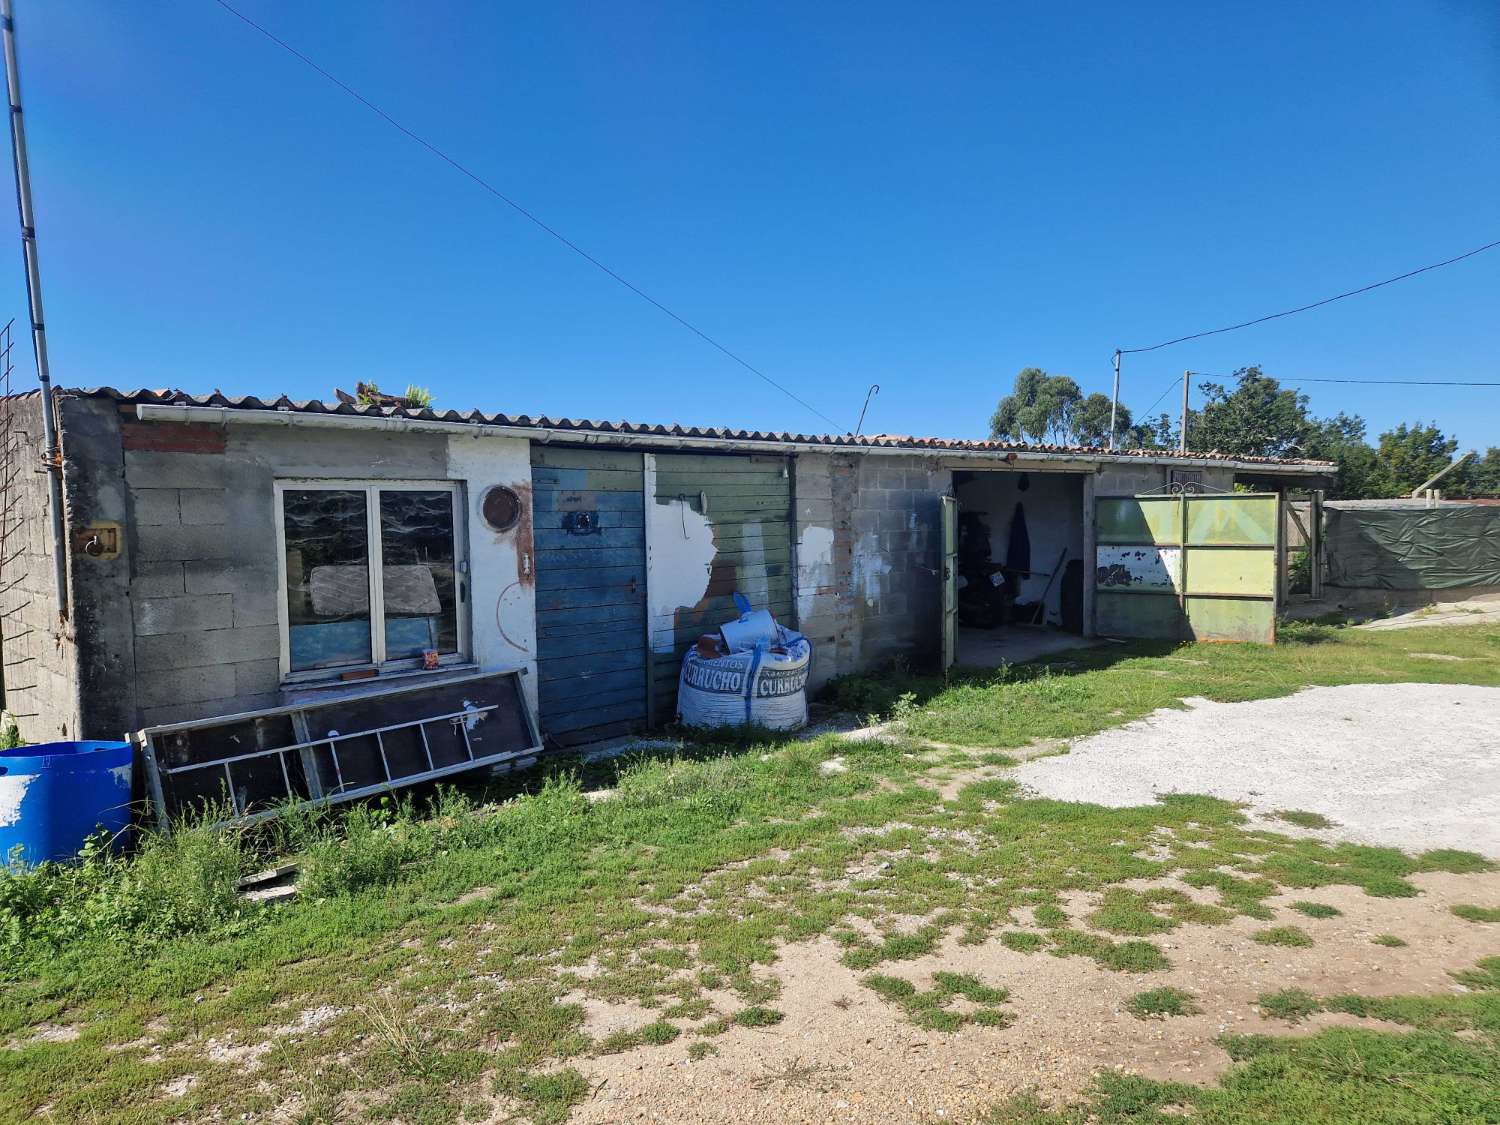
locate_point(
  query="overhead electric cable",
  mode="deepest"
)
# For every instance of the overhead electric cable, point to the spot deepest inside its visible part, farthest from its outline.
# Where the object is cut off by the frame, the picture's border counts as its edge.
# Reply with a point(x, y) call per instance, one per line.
point(1364, 382)
point(519, 209)
point(1315, 304)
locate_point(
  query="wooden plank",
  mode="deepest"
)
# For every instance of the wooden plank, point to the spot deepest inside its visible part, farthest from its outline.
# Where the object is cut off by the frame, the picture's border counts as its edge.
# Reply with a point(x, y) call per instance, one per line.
point(620, 637)
point(569, 500)
point(574, 598)
point(555, 538)
point(573, 457)
point(561, 558)
point(566, 620)
point(599, 522)
point(567, 689)
point(563, 667)
point(587, 577)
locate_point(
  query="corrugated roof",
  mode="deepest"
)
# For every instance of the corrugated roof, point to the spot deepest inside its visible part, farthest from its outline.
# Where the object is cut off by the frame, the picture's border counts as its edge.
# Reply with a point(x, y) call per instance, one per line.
point(703, 433)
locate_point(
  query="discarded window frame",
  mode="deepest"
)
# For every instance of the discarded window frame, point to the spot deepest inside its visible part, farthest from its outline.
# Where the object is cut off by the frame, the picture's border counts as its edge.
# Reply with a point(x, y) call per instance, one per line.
point(259, 763)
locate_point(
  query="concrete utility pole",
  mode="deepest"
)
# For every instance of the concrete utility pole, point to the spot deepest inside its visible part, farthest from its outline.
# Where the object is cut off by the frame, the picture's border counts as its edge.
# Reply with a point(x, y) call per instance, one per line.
point(1416, 493)
point(1114, 403)
point(53, 457)
point(1182, 432)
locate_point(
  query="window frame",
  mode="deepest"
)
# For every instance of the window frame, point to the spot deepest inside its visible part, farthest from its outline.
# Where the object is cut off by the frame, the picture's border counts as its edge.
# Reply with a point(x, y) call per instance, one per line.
point(375, 565)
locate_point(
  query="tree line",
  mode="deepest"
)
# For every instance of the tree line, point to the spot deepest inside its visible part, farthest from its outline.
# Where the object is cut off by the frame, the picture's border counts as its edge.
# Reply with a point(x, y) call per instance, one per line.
point(1256, 417)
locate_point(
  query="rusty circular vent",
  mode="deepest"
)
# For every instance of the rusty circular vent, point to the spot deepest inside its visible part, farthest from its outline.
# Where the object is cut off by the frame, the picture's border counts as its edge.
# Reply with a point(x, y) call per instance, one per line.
point(501, 508)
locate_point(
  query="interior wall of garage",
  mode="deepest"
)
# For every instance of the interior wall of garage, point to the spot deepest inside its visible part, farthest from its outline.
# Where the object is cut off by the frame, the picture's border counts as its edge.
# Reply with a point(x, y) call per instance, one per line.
point(1053, 507)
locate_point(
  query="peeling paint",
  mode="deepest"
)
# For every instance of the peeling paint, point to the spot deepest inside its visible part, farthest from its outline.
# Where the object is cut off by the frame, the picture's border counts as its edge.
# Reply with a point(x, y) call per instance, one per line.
point(757, 587)
point(682, 555)
point(815, 568)
point(1155, 568)
point(12, 793)
point(870, 566)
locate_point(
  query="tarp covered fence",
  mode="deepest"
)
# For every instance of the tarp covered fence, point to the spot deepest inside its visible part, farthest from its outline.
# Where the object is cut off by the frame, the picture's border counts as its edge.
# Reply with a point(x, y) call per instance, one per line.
point(1410, 548)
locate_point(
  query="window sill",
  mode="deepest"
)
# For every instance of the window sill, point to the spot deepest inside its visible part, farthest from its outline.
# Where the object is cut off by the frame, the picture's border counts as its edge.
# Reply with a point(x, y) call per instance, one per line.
point(299, 691)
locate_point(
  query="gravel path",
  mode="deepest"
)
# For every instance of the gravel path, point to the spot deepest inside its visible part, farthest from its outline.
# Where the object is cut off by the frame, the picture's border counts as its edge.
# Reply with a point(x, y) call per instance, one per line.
point(1414, 766)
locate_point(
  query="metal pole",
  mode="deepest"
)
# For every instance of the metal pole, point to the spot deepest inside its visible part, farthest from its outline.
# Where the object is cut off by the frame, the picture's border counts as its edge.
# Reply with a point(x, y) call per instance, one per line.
point(1114, 402)
point(1182, 436)
point(53, 458)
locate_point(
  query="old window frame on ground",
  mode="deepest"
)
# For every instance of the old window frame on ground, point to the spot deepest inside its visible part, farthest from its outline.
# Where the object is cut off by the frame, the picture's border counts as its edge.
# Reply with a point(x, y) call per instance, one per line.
point(379, 661)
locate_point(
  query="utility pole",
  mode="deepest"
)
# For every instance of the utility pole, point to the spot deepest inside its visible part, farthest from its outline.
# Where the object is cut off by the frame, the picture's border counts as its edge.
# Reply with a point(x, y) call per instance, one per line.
point(53, 456)
point(1114, 403)
point(1182, 431)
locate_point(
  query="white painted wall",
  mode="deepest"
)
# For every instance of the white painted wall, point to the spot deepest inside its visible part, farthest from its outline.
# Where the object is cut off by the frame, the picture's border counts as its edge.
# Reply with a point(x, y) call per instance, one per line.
point(1054, 522)
point(502, 565)
point(679, 552)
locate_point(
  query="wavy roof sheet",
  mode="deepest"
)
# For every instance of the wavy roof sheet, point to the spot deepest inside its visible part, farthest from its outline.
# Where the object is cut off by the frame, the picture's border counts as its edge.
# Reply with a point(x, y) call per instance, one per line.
point(703, 433)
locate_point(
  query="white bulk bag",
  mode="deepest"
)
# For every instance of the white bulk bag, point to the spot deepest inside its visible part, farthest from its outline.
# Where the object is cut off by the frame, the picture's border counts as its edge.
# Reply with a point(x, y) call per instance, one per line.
point(757, 686)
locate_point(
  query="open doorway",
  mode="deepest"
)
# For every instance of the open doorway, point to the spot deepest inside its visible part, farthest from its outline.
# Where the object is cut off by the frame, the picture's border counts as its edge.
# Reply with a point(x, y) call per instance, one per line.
point(1019, 565)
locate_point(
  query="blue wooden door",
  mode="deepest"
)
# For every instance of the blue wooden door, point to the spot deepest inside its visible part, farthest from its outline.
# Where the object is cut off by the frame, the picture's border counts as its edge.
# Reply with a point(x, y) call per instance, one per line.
point(589, 522)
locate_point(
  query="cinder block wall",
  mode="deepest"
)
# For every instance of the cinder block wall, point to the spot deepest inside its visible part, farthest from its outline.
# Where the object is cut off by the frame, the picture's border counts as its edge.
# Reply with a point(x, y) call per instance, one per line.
point(868, 542)
point(204, 582)
point(36, 647)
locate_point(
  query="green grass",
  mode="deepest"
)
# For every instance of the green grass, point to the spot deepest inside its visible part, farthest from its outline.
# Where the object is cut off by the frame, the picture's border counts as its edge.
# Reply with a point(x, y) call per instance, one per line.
point(931, 1009)
point(1470, 913)
point(1292, 1004)
point(1289, 936)
point(1316, 909)
point(1159, 1003)
point(479, 919)
point(1303, 819)
point(1390, 941)
point(1445, 1067)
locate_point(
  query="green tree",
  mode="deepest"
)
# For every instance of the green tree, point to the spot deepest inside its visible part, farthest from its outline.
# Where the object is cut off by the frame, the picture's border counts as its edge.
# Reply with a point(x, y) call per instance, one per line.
point(1414, 454)
point(1039, 408)
point(1258, 418)
point(1481, 476)
point(1090, 421)
point(1362, 475)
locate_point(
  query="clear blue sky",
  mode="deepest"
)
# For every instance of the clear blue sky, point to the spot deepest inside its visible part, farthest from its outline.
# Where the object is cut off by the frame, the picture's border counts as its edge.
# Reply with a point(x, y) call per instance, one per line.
point(925, 196)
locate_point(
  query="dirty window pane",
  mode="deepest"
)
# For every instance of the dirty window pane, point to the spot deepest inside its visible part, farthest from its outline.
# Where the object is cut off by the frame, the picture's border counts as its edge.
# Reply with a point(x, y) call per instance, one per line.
point(327, 577)
point(421, 605)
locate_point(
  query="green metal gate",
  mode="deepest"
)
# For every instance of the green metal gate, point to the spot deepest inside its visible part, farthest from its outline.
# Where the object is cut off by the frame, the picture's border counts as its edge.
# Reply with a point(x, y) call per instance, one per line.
point(1187, 567)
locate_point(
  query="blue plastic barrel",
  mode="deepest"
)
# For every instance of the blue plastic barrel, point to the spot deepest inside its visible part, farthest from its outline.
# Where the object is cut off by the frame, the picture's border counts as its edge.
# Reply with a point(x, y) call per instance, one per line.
point(55, 795)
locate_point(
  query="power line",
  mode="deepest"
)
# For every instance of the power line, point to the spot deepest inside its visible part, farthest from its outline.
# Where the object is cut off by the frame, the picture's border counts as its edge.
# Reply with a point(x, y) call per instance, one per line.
point(1365, 382)
point(519, 209)
point(1176, 381)
point(1315, 304)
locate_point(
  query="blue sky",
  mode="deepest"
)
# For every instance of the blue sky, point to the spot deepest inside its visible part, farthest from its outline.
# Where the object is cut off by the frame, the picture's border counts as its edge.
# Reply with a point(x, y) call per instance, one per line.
point(928, 197)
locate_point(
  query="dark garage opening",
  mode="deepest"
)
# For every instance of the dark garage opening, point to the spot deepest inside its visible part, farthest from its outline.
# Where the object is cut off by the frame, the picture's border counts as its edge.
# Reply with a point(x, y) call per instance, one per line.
point(1020, 565)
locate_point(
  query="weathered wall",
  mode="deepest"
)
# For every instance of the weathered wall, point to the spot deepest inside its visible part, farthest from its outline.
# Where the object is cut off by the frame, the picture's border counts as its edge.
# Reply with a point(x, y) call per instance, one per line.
point(1129, 479)
point(40, 658)
point(204, 586)
point(868, 541)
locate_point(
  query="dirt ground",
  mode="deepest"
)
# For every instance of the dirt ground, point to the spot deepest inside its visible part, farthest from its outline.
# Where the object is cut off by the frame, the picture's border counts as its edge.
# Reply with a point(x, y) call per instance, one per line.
point(843, 1054)
point(1414, 766)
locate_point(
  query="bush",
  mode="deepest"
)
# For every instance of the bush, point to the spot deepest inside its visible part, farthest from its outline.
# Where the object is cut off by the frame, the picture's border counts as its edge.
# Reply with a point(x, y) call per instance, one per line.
point(182, 883)
point(366, 848)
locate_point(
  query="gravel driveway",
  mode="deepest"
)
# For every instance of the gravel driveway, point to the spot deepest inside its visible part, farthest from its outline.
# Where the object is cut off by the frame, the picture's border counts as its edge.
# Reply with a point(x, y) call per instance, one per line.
point(1413, 766)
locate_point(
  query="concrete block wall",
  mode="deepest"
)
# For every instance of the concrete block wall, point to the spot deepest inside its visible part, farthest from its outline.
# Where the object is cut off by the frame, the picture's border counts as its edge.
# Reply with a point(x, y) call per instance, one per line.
point(868, 541)
point(39, 656)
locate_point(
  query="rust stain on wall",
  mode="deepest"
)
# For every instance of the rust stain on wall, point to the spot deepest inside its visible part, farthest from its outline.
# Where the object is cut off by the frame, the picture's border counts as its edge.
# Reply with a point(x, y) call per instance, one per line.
point(525, 540)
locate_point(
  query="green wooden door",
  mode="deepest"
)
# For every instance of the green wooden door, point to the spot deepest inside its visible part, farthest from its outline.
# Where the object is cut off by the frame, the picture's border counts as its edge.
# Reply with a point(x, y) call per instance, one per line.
point(1187, 567)
point(717, 524)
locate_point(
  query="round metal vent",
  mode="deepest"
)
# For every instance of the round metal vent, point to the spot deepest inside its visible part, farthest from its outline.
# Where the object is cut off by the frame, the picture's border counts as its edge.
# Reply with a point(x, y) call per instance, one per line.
point(501, 508)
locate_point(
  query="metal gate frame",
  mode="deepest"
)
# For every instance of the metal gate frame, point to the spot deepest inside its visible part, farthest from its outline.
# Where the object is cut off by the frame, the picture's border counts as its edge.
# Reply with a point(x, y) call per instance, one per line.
point(1162, 573)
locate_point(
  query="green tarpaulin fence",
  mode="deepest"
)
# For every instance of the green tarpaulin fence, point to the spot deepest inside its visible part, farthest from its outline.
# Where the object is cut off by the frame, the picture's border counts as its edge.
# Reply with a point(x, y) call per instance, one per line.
point(1439, 548)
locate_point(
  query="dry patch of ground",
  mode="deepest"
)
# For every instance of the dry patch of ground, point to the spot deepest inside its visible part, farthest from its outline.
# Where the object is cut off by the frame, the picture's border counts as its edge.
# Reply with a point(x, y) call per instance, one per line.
point(844, 1054)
